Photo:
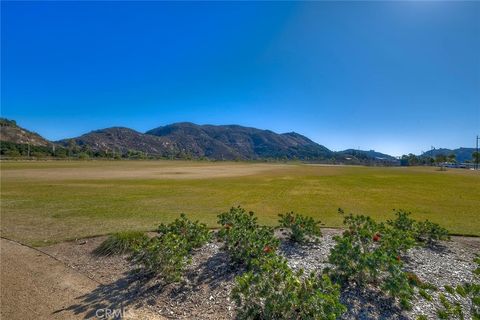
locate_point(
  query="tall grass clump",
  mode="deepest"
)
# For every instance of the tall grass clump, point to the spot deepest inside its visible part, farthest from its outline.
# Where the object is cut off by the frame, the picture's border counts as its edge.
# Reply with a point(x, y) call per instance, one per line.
point(121, 243)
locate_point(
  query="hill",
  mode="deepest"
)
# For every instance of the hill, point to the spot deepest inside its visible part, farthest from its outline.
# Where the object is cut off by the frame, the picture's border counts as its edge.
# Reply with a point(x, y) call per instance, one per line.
point(237, 142)
point(120, 140)
point(187, 140)
point(370, 154)
point(461, 154)
point(13, 133)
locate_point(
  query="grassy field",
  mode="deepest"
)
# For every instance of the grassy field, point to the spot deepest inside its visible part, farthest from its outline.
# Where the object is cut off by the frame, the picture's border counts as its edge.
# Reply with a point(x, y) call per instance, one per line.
point(45, 202)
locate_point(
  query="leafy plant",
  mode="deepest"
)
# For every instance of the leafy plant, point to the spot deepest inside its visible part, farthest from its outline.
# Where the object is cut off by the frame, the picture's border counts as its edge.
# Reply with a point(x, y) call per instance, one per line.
point(166, 256)
point(369, 253)
point(195, 233)
point(274, 291)
point(301, 228)
point(238, 217)
point(403, 222)
point(424, 232)
point(243, 238)
point(429, 232)
point(121, 243)
point(395, 242)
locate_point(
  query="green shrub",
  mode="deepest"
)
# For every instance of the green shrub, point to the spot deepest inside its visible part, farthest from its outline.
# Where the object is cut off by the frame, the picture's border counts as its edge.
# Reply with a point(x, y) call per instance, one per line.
point(243, 238)
point(362, 256)
point(238, 217)
point(424, 232)
point(403, 222)
point(121, 243)
point(196, 233)
point(165, 256)
point(429, 232)
point(169, 253)
point(301, 228)
point(395, 242)
point(274, 291)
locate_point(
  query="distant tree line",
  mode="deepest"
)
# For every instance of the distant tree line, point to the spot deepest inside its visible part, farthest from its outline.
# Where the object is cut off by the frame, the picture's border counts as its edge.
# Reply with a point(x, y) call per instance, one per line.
point(438, 160)
point(10, 150)
point(73, 151)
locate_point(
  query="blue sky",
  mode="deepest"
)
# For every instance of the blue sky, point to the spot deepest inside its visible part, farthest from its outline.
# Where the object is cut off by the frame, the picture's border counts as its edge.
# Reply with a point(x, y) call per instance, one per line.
point(396, 77)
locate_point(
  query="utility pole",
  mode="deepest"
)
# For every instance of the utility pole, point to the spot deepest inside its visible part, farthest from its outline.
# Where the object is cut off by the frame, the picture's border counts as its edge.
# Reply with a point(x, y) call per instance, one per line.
point(476, 158)
point(29, 150)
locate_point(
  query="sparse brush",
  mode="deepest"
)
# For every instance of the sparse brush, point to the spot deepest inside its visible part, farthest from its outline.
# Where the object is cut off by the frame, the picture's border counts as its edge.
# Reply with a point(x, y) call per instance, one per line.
point(121, 243)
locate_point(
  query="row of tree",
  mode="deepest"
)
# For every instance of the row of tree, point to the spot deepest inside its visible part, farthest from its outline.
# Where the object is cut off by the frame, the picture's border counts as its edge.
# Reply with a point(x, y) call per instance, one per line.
point(439, 159)
point(15, 150)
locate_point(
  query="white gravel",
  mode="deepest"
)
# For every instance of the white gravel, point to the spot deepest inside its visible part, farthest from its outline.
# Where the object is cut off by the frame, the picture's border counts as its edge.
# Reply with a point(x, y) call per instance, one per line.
point(205, 293)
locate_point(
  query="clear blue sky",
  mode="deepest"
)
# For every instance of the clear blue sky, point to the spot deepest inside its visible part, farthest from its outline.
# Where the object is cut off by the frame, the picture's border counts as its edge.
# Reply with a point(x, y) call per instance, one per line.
point(396, 77)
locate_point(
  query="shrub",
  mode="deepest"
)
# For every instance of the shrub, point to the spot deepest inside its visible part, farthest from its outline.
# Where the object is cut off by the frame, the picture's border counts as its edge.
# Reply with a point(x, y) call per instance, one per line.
point(395, 242)
point(238, 217)
point(166, 256)
point(301, 228)
point(121, 243)
point(424, 232)
point(274, 291)
point(429, 232)
point(244, 239)
point(195, 233)
point(368, 253)
point(403, 222)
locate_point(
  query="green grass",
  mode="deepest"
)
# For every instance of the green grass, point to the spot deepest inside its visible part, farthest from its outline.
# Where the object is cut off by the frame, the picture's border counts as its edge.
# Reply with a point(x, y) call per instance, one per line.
point(39, 206)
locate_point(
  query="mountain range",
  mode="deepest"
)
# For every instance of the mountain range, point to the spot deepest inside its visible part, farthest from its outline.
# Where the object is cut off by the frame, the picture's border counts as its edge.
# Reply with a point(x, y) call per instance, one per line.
point(228, 142)
point(461, 154)
point(215, 142)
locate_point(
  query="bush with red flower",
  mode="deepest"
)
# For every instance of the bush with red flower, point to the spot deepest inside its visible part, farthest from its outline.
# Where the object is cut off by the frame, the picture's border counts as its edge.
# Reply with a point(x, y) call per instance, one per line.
point(301, 228)
point(244, 239)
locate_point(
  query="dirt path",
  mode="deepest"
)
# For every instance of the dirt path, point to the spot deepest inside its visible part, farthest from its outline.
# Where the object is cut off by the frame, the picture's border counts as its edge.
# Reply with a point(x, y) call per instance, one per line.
point(36, 286)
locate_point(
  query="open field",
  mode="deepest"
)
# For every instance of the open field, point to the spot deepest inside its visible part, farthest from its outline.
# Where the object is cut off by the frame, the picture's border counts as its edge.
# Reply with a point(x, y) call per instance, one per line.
point(45, 202)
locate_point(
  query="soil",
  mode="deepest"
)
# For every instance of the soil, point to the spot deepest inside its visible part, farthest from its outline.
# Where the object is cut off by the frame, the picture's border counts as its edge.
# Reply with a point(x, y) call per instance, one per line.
point(35, 285)
point(147, 170)
point(99, 282)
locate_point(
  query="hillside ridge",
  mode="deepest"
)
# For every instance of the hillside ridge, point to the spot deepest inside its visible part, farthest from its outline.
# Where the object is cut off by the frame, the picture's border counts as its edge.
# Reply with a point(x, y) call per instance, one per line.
point(193, 141)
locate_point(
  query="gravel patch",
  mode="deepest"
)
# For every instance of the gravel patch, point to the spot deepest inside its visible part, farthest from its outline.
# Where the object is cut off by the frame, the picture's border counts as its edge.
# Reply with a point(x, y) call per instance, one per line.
point(309, 257)
point(450, 263)
point(205, 292)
